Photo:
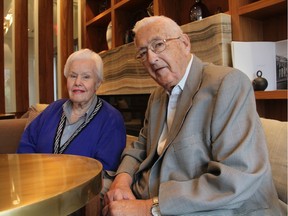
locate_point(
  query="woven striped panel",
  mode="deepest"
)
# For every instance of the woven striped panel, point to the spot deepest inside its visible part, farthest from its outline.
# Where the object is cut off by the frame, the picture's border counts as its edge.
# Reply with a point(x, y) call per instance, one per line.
point(210, 41)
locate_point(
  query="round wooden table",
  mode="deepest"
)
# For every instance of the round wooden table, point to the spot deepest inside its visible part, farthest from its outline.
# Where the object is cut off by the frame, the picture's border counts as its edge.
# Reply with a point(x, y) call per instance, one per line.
point(47, 184)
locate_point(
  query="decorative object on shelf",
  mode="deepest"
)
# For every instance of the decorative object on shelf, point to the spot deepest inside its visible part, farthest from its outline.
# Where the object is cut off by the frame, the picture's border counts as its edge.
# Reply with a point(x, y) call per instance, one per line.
point(103, 5)
point(259, 83)
point(109, 35)
point(198, 11)
point(249, 57)
point(218, 10)
point(129, 36)
point(281, 64)
point(150, 9)
point(135, 17)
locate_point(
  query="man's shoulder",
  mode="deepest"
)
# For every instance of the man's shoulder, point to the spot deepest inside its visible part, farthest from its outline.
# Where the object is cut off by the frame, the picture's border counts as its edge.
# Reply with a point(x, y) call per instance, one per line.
point(158, 93)
point(211, 68)
point(219, 72)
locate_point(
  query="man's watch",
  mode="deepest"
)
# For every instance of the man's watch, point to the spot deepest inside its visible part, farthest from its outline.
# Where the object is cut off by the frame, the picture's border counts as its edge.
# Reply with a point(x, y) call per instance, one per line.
point(155, 210)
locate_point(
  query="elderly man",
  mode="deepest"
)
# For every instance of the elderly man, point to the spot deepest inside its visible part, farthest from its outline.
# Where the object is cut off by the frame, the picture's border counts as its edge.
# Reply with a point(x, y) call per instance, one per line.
point(202, 150)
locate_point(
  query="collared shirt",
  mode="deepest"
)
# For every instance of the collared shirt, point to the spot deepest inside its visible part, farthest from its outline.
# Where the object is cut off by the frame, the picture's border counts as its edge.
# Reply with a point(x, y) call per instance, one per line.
point(70, 128)
point(171, 108)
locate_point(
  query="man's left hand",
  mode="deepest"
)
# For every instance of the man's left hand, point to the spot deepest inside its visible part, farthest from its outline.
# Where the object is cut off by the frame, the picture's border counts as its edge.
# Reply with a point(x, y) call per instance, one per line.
point(128, 208)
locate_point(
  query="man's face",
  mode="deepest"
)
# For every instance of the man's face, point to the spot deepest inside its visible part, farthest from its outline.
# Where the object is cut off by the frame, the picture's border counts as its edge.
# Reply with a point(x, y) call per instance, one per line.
point(167, 67)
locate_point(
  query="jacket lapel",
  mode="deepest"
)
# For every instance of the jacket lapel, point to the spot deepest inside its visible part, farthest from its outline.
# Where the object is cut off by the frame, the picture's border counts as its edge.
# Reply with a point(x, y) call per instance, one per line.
point(158, 118)
point(185, 100)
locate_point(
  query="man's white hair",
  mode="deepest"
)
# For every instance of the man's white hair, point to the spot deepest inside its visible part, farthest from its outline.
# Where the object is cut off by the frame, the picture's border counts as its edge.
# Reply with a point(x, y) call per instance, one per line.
point(173, 26)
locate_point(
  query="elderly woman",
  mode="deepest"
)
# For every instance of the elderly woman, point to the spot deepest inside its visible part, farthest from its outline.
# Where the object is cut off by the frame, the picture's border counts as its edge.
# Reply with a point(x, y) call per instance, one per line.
point(84, 124)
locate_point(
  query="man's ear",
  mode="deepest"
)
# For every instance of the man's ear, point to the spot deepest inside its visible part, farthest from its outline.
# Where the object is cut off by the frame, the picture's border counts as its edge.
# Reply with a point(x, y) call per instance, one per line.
point(186, 41)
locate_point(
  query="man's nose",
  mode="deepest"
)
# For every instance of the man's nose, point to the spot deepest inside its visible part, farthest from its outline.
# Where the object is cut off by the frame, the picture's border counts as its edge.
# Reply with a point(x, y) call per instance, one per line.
point(151, 56)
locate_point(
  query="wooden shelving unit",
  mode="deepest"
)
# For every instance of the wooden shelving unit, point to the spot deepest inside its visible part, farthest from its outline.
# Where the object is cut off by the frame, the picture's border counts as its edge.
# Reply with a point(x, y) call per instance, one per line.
point(262, 8)
point(271, 95)
point(252, 20)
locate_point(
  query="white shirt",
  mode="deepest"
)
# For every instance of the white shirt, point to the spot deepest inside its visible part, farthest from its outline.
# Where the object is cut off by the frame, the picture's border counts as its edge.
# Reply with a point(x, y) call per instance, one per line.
point(171, 108)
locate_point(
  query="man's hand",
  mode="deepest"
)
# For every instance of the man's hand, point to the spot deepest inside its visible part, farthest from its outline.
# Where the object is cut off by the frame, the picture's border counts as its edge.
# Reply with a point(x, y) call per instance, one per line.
point(128, 208)
point(120, 189)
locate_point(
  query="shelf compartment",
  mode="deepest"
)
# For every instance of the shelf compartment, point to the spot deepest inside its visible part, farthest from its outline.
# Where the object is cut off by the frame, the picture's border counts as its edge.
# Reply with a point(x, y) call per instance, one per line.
point(96, 31)
point(126, 17)
point(95, 8)
point(100, 19)
point(174, 7)
point(263, 8)
point(132, 4)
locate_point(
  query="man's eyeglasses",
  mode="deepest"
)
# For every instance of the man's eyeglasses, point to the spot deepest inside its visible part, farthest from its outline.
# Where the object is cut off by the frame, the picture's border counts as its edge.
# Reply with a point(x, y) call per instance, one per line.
point(157, 46)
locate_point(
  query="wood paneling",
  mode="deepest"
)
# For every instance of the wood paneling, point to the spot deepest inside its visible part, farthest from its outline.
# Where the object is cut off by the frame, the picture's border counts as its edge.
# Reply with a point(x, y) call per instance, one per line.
point(2, 86)
point(273, 109)
point(46, 86)
point(66, 38)
point(21, 55)
point(83, 24)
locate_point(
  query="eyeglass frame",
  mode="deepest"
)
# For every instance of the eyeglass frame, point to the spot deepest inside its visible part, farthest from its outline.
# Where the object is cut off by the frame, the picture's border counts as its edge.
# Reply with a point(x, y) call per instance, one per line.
point(150, 46)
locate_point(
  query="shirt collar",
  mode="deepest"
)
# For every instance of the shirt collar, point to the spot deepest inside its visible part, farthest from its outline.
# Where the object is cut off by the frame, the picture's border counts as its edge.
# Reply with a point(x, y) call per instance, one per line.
point(184, 78)
point(67, 108)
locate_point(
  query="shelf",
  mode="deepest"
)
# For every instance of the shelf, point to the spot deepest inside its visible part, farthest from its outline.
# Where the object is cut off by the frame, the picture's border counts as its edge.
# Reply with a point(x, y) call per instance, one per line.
point(271, 95)
point(252, 20)
point(95, 8)
point(132, 4)
point(100, 19)
point(263, 8)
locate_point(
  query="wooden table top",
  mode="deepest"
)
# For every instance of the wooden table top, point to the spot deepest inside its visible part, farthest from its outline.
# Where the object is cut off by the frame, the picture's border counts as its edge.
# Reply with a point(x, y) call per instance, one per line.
point(47, 184)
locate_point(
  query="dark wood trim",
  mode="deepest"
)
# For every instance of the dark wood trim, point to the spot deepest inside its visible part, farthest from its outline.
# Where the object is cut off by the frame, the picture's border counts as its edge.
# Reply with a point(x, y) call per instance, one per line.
point(66, 37)
point(46, 84)
point(2, 85)
point(21, 55)
point(83, 24)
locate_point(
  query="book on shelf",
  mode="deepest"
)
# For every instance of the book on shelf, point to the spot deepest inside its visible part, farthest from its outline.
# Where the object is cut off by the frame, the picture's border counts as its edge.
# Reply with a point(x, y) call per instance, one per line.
point(268, 57)
point(281, 64)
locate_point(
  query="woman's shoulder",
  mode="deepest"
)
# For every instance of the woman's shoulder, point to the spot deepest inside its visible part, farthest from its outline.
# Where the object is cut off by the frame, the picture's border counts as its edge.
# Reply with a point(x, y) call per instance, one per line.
point(55, 105)
point(107, 106)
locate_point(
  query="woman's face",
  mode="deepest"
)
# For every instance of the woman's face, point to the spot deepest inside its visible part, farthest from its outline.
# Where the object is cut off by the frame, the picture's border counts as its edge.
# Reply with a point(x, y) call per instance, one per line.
point(81, 81)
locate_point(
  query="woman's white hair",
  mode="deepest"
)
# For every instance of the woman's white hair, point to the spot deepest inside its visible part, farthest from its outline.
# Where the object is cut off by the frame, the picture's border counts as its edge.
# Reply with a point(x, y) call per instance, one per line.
point(173, 26)
point(86, 54)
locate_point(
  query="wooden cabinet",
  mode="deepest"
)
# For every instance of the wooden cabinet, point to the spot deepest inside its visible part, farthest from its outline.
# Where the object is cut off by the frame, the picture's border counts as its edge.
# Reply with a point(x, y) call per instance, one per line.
point(252, 20)
point(262, 20)
point(272, 104)
point(123, 14)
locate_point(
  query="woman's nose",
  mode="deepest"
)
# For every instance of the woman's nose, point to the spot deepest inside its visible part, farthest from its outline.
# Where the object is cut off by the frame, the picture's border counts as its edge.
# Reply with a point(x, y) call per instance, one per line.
point(78, 80)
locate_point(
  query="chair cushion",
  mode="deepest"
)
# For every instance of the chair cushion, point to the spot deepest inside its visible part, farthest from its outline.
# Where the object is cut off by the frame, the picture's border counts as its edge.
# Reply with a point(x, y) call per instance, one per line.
point(276, 136)
point(11, 132)
point(33, 112)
